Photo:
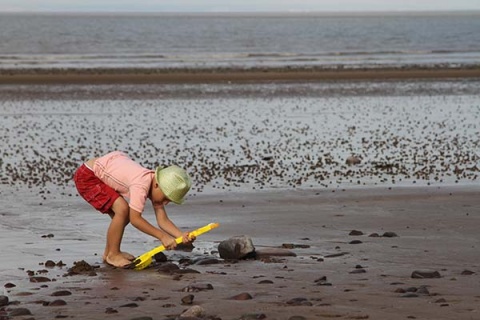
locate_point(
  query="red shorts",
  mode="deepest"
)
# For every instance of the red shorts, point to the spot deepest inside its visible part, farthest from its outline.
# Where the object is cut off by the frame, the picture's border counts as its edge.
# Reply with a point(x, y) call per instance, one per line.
point(94, 190)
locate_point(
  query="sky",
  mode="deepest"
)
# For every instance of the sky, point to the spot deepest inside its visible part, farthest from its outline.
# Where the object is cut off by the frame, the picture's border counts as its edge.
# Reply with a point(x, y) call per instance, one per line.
point(235, 5)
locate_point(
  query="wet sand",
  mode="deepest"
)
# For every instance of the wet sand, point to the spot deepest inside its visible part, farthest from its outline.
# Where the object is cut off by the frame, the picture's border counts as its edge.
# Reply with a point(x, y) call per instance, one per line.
point(269, 163)
point(333, 275)
point(235, 75)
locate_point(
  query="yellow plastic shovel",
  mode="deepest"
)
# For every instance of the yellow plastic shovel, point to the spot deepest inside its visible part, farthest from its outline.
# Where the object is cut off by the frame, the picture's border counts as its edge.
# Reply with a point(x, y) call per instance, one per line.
point(145, 259)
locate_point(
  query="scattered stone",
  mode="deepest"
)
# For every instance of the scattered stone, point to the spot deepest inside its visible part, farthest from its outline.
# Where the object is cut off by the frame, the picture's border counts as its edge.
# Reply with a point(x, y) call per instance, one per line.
point(294, 246)
point(242, 296)
point(334, 255)
point(81, 267)
point(409, 295)
point(441, 300)
point(3, 301)
point(274, 252)
point(374, 235)
point(194, 312)
point(355, 242)
point(423, 290)
point(299, 302)
point(425, 274)
point(400, 290)
point(266, 282)
point(188, 299)
point(239, 247)
point(389, 234)
point(50, 235)
point(39, 279)
point(50, 264)
point(129, 305)
point(110, 310)
point(17, 312)
point(61, 293)
point(467, 273)
point(355, 233)
point(160, 257)
point(9, 285)
point(356, 271)
point(198, 287)
point(168, 267)
point(57, 303)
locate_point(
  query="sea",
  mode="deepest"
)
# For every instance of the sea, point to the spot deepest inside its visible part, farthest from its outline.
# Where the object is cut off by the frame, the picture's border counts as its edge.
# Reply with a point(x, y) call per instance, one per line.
point(242, 40)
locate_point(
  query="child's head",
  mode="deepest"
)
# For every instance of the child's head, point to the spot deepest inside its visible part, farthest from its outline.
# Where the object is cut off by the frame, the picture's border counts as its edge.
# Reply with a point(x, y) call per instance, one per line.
point(174, 183)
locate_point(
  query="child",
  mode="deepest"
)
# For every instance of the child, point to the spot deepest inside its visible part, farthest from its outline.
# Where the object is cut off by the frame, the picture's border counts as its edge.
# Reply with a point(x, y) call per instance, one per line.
point(104, 182)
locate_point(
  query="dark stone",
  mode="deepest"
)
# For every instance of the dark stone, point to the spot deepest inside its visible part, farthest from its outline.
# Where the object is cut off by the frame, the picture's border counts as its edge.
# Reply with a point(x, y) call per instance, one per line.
point(355, 233)
point(242, 296)
point(129, 305)
point(9, 285)
point(425, 274)
point(39, 279)
point(198, 287)
point(188, 299)
point(409, 295)
point(50, 264)
point(206, 261)
point(3, 301)
point(299, 302)
point(389, 234)
point(356, 271)
point(160, 257)
point(81, 267)
point(374, 235)
point(355, 242)
point(142, 318)
point(57, 303)
point(467, 273)
point(423, 290)
point(110, 311)
point(19, 312)
point(61, 293)
point(168, 267)
point(294, 246)
point(253, 316)
point(265, 282)
point(334, 255)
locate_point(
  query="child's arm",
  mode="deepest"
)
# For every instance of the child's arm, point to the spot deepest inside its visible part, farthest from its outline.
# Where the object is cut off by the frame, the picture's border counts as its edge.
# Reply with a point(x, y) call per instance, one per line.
point(168, 226)
point(143, 225)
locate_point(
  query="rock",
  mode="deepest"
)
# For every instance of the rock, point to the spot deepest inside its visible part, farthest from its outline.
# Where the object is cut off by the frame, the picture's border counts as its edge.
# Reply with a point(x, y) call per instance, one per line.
point(253, 316)
point(356, 271)
point(81, 267)
point(142, 318)
point(353, 160)
point(423, 290)
point(374, 235)
point(242, 296)
point(160, 257)
point(110, 310)
point(168, 267)
point(188, 299)
point(205, 261)
point(50, 264)
point(266, 282)
point(61, 293)
point(293, 246)
point(235, 248)
point(299, 302)
point(425, 274)
point(335, 255)
point(39, 279)
point(19, 312)
point(9, 285)
point(355, 233)
point(129, 305)
point(3, 301)
point(389, 234)
point(274, 252)
point(409, 295)
point(355, 242)
point(57, 303)
point(193, 312)
point(467, 273)
point(198, 287)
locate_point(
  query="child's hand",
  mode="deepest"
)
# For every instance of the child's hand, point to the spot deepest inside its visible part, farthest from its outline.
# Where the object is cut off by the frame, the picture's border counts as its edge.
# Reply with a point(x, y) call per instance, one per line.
point(169, 242)
point(188, 238)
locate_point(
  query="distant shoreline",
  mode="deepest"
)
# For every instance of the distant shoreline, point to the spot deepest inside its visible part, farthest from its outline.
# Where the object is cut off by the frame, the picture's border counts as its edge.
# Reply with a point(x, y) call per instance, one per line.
point(228, 75)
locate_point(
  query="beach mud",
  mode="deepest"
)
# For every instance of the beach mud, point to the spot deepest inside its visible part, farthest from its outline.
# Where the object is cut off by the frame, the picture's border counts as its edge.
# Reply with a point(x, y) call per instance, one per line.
point(361, 199)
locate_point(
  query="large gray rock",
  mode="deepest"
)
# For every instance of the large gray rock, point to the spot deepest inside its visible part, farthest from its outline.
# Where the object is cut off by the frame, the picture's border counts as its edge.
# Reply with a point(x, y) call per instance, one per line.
point(3, 301)
point(237, 247)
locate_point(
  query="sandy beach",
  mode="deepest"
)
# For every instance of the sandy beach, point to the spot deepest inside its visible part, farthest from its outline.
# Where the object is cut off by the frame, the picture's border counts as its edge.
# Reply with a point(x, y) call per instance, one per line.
point(391, 237)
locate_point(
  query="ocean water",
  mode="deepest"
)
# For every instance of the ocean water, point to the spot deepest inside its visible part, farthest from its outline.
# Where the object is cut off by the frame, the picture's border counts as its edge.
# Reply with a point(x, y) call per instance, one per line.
point(237, 40)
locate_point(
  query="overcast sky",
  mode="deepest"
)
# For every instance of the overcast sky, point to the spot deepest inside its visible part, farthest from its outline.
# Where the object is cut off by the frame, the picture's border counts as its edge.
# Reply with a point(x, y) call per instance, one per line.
point(236, 5)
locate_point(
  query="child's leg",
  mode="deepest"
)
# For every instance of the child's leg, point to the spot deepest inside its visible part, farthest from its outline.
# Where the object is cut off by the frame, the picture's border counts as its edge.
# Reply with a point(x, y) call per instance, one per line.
point(126, 255)
point(120, 219)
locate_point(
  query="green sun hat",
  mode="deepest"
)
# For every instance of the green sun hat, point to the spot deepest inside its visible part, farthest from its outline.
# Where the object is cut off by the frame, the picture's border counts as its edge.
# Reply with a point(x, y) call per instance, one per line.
point(174, 183)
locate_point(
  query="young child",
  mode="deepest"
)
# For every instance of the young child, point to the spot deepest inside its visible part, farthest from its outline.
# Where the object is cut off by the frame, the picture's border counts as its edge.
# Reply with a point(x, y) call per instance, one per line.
point(104, 182)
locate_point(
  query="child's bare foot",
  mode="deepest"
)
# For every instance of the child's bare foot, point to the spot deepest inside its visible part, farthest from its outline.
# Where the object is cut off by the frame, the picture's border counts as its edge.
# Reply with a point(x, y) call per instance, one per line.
point(117, 260)
point(126, 255)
